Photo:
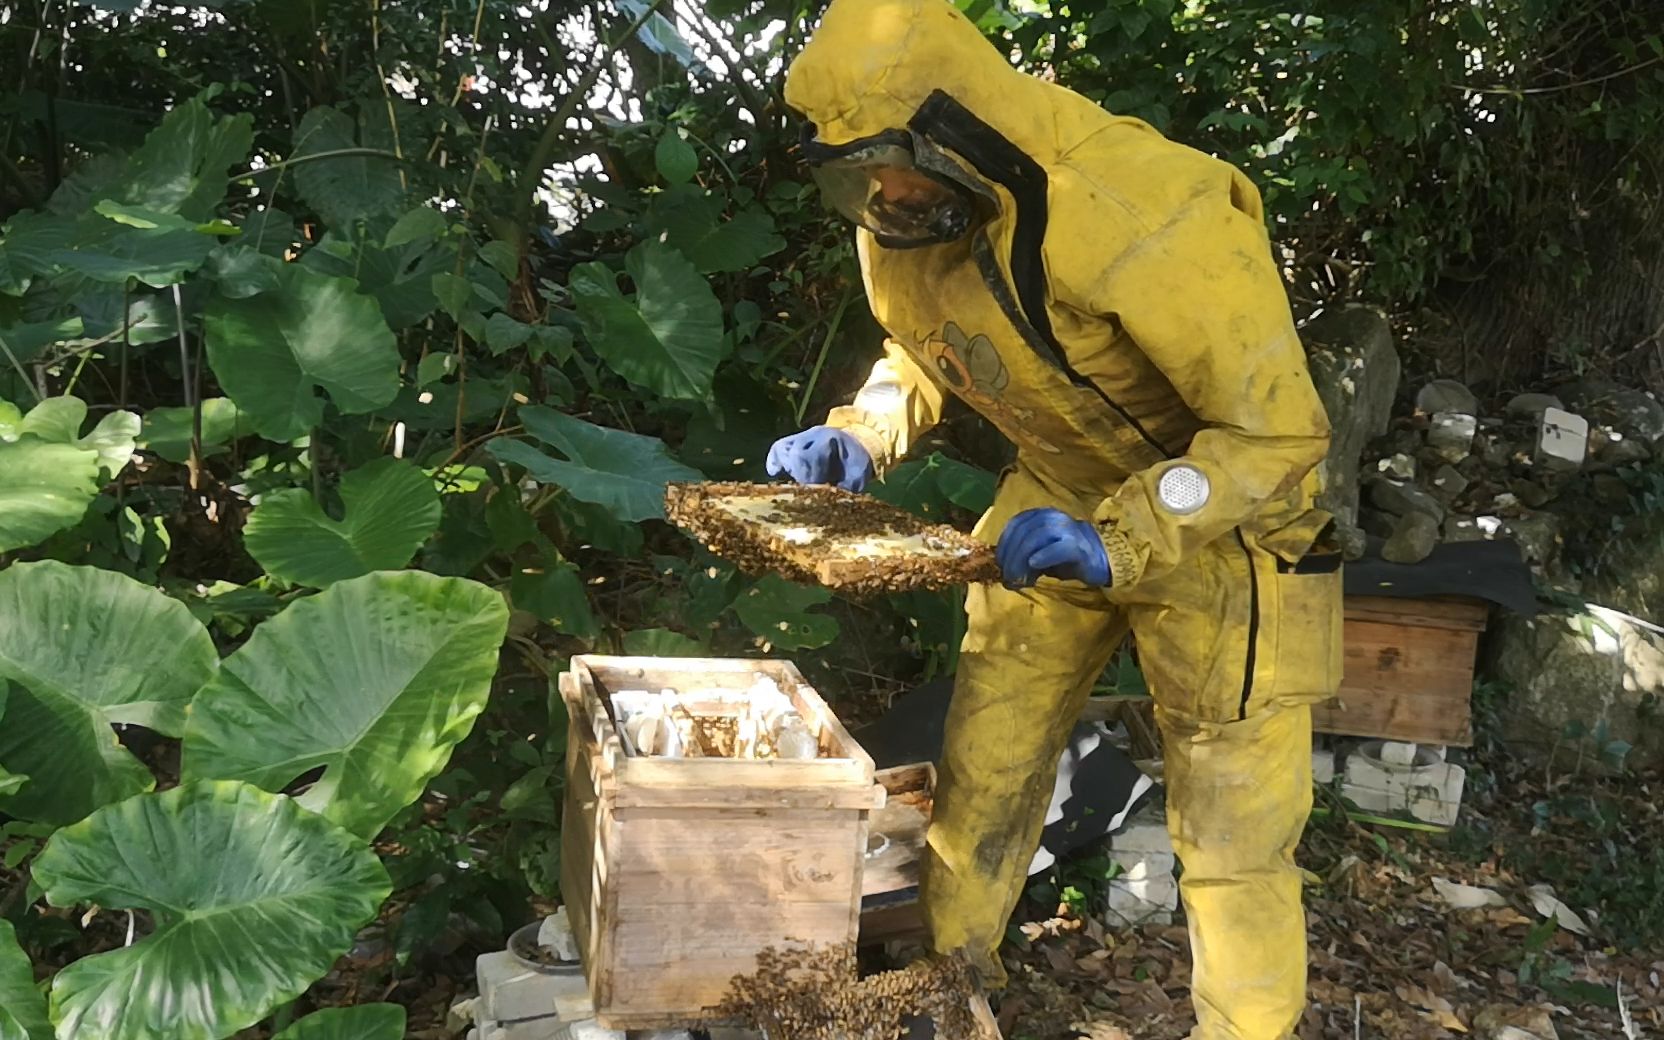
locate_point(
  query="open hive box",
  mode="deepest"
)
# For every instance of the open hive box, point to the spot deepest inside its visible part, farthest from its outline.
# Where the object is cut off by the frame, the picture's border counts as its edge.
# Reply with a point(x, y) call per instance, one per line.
point(824, 535)
point(680, 866)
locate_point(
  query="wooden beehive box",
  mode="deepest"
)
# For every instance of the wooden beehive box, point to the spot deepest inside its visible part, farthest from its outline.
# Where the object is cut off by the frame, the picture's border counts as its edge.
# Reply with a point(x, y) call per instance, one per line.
point(677, 872)
point(1409, 671)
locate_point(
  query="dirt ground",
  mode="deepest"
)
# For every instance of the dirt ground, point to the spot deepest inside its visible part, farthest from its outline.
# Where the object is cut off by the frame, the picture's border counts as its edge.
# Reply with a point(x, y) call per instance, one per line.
point(1390, 956)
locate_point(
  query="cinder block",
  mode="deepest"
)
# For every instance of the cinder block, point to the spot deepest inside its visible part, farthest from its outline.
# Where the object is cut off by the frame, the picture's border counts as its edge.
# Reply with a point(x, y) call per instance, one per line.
point(1323, 766)
point(511, 992)
point(1145, 866)
point(1429, 790)
point(1562, 439)
point(1134, 903)
point(1146, 832)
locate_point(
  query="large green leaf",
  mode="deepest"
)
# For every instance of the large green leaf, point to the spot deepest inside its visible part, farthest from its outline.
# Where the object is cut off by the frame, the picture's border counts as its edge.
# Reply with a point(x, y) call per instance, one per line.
point(59, 420)
point(84, 648)
point(343, 188)
point(270, 350)
point(400, 277)
point(252, 897)
point(167, 431)
point(49, 473)
point(390, 508)
point(375, 679)
point(778, 611)
point(27, 340)
point(44, 488)
point(928, 486)
point(365, 1022)
point(181, 167)
point(668, 336)
point(624, 472)
point(22, 1008)
point(11, 782)
point(111, 252)
point(28, 243)
point(691, 220)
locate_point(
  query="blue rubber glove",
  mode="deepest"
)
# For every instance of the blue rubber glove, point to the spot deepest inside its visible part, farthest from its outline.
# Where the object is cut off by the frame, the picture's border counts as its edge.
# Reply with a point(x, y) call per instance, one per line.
point(1050, 542)
point(822, 455)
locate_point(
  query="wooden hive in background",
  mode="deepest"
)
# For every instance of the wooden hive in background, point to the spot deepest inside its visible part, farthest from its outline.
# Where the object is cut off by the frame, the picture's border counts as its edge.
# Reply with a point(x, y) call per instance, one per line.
point(1409, 671)
point(677, 872)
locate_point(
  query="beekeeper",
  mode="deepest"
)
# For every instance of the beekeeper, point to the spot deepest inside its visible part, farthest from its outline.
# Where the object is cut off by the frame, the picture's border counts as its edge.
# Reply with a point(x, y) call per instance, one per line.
point(1108, 299)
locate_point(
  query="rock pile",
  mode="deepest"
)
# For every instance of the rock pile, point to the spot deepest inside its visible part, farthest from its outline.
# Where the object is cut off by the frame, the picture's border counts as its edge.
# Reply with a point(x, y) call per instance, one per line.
point(1455, 469)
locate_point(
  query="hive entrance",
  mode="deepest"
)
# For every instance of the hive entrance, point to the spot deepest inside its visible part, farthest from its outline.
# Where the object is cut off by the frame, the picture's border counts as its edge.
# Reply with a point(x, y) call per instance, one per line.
point(824, 535)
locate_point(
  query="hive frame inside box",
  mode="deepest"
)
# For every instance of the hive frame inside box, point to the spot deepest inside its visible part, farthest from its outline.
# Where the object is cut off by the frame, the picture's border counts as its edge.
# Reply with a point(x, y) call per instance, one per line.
point(676, 873)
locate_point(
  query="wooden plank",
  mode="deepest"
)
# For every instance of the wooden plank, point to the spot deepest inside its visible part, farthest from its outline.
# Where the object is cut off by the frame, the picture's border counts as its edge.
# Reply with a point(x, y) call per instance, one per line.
point(683, 956)
point(719, 796)
point(904, 820)
point(1426, 613)
point(763, 776)
point(754, 862)
point(1405, 683)
point(584, 814)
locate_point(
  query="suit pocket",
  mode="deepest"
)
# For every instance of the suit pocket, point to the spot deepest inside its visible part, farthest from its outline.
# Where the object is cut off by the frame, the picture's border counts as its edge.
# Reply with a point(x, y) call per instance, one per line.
point(1306, 629)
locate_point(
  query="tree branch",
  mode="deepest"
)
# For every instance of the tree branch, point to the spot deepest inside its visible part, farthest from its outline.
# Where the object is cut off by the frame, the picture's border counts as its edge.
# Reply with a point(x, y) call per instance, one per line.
point(531, 176)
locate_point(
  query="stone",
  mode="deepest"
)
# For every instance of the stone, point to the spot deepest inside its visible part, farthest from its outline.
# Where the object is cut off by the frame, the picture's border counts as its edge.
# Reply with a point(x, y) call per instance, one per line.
point(1376, 523)
point(555, 933)
point(1562, 440)
point(1402, 499)
point(1610, 490)
point(1531, 406)
point(1494, 451)
point(511, 992)
point(1427, 789)
point(1537, 535)
point(1355, 369)
point(1352, 541)
point(1612, 450)
point(1398, 466)
point(1448, 483)
point(1446, 395)
point(1632, 412)
point(1398, 753)
point(1596, 671)
point(1463, 529)
point(461, 1013)
point(1323, 766)
point(1413, 539)
point(1529, 493)
point(1451, 435)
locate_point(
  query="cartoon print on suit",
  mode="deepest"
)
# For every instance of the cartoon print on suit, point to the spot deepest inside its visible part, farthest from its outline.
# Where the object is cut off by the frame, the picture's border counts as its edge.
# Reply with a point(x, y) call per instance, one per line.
point(971, 367)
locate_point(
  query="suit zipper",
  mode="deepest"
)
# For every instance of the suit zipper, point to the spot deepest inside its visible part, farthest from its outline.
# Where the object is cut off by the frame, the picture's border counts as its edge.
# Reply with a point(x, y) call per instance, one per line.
point(1251, 658)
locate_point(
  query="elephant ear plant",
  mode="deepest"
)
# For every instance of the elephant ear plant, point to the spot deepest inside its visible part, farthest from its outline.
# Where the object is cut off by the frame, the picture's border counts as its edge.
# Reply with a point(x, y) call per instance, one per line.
point(250, 894)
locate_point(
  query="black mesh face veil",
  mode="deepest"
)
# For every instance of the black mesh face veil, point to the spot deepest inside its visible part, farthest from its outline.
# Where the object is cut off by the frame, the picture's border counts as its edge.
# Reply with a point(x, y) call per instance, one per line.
point(879, 183)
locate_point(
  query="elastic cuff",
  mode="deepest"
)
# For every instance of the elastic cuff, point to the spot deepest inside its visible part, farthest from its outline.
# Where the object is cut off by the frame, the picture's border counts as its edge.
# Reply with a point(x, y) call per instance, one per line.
point(870, 439)
point(1124, 567)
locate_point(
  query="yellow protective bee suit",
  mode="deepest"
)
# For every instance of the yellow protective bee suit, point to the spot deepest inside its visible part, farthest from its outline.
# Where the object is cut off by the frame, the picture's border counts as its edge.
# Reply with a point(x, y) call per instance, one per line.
point(1120, 318)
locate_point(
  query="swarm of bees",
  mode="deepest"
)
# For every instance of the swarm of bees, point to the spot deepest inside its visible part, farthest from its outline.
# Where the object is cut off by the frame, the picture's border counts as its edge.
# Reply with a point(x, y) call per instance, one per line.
point(817, 995)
